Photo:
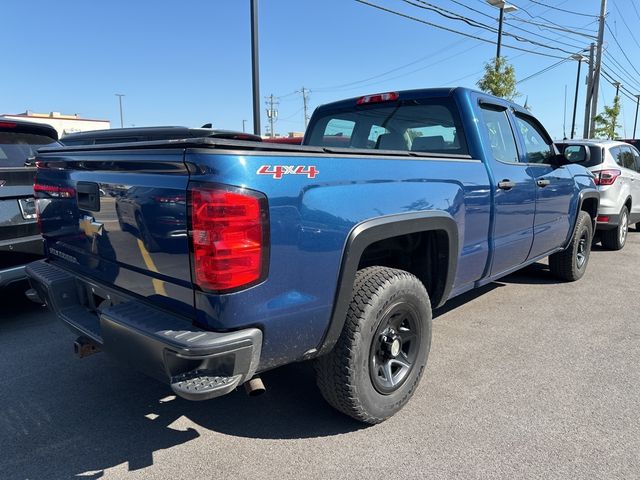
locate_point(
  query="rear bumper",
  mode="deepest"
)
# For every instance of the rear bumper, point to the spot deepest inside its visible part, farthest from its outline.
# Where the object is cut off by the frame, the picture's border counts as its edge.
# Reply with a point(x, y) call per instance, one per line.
point(11, 275)
point(198, 364)
point(612, 221)
point(15, 253)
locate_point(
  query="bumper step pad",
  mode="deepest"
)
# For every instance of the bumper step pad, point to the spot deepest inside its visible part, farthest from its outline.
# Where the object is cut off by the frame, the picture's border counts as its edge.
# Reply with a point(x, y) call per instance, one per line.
point(202, 384)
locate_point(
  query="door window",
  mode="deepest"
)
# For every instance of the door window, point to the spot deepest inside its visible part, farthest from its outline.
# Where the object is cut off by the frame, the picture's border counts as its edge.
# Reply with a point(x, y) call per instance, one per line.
point(503, 144)
point(636, 156)
point(627, 158)
point(537, 147)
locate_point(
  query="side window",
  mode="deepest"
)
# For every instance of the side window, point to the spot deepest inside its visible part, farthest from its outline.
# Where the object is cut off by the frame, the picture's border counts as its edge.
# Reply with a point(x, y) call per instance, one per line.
point(535, 143)
point(628, 161)
point(503, 144)
point(616, 153)
point(338, 132)
point(636, 156)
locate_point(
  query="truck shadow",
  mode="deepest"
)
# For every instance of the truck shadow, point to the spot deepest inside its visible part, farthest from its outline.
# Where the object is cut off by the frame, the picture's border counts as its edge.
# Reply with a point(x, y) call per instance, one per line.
point(62, 417)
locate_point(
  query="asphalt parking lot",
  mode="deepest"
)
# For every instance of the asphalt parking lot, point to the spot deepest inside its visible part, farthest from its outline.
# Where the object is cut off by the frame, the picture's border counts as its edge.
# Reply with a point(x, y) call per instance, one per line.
point(528, 378)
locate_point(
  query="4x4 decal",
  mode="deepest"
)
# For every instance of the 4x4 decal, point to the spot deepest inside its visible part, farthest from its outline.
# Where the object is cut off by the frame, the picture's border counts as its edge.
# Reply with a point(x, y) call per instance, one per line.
point(279, 171)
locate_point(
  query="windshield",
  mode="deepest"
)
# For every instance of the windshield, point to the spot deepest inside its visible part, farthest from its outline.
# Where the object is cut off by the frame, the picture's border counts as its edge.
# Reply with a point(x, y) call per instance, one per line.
point(430, 126)
point(16, 147)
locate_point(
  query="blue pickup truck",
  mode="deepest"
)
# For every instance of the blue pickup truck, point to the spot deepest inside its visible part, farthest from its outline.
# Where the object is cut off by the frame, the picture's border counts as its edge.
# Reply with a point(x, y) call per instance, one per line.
point(204, 262)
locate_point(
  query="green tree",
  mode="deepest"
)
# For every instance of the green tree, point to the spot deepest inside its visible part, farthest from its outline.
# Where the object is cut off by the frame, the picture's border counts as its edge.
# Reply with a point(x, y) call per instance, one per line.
point(607, 121)
point(499, 79)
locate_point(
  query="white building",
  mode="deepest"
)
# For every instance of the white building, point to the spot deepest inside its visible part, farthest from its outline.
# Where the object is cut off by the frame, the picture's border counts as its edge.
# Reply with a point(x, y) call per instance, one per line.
point(64, 124)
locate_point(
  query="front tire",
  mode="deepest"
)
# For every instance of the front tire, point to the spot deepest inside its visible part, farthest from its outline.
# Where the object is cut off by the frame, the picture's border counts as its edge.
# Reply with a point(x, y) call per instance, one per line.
point(570, 264)
point(615, 238)
point(378, 361)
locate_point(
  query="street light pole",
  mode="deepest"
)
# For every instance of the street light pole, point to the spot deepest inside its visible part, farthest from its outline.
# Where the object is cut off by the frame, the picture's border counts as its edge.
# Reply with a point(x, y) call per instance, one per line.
point(504, 7)
point(255, 67)
point(120, 95)
point(499, 33)
point(579, 58)
point(636, 121)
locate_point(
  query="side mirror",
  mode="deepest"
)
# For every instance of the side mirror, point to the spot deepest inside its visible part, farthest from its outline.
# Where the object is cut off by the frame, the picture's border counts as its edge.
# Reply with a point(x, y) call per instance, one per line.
point(576, 154)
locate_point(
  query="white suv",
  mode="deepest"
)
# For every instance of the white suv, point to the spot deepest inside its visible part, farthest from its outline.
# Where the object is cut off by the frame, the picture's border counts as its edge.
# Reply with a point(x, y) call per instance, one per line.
point(616, 166)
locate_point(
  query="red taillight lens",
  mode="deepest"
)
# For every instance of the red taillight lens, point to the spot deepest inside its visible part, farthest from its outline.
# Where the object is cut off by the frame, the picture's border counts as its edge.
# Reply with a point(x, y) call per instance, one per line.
point(606, 177)
point(602, 219)
point(378, 98)
point(55, 190)
point(229, 237)
point(8, 125)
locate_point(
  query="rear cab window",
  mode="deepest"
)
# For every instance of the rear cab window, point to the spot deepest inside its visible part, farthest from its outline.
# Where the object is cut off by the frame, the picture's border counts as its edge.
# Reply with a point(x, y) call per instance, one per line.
point(425, 125)
point(16, 147)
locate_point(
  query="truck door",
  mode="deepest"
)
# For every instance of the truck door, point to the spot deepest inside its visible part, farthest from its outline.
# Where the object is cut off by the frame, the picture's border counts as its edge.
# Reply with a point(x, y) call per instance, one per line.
point(555, 187)
point(514, 194)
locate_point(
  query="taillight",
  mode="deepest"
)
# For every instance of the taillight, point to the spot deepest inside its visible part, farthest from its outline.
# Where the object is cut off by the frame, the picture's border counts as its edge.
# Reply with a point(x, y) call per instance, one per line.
point(378, 98)
point(606, 177)
point(229, 237)
point(8, 125)
point(55, 190)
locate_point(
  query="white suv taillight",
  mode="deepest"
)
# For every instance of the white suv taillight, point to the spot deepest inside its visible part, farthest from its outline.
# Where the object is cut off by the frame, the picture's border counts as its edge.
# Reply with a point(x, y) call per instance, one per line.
point(606, 177)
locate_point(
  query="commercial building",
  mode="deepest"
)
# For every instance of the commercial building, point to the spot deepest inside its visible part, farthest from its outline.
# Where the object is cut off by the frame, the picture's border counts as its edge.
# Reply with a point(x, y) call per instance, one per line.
point(64, 124)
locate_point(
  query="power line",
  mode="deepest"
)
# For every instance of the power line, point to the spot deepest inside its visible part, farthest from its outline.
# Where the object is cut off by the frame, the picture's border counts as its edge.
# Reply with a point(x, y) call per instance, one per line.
point(551, 7)
point(625, 23)
point(544, 70)
point(628, 76)
point(400, 14)
point(633, 4)
point(621, 49)
point(553, 26)
point(454, 16)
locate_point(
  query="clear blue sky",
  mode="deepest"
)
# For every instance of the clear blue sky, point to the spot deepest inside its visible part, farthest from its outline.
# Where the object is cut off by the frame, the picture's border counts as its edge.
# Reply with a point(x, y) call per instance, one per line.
point(188, 63)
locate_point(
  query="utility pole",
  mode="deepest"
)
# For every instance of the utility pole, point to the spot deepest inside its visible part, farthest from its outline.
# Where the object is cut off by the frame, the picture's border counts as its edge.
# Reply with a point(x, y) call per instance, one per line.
point(587, 107)
point(579, 58)
point(598, 66)
point(243, 122)
point(255, 67)
point(272, 112)
point(636, 121)
point(120, 95)
point(305, 104)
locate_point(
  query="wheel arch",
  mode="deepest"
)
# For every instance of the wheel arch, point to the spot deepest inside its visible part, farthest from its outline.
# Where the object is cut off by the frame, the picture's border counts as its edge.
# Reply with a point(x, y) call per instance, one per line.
point(380, 229)
point(588, 201)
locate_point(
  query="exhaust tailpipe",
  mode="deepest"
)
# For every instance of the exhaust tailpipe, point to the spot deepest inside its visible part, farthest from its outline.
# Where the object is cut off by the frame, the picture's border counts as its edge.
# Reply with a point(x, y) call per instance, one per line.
point(254, 387)
point(83, 347)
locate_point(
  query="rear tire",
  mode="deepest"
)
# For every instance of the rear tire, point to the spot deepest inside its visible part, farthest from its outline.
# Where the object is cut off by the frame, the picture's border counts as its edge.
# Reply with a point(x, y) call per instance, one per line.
point(378, 361)
point(570, 264)
point(616, 238)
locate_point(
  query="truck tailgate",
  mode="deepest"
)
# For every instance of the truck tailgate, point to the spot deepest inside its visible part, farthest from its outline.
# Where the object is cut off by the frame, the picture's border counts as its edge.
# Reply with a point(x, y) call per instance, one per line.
point(120, 218)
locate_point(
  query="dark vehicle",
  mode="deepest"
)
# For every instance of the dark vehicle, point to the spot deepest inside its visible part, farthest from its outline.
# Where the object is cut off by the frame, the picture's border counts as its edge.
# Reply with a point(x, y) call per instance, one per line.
point(150, 134)
point(632, 141)
point(20, 242)
point(284, 140)
point(167, 210)
point(335, 250)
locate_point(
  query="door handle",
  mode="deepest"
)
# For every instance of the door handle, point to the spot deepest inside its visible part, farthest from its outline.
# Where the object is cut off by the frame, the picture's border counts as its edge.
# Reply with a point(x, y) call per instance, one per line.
point(506, 185)
point(543, 182)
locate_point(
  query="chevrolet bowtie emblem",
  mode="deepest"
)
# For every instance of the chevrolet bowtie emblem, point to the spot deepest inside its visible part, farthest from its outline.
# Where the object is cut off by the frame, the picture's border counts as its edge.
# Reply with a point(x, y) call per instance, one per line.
point(90, 227)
